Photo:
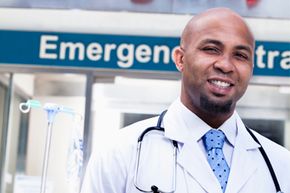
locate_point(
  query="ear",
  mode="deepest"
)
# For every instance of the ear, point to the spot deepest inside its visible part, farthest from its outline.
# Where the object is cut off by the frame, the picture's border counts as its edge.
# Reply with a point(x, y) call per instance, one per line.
point(178, 58)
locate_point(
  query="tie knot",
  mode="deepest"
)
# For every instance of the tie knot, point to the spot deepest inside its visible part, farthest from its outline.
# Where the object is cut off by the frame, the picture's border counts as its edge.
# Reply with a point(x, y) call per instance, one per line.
point(214, 139)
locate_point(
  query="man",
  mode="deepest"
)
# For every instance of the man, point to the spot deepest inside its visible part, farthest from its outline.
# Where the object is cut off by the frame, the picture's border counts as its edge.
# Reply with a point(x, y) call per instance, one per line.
point(215, 59)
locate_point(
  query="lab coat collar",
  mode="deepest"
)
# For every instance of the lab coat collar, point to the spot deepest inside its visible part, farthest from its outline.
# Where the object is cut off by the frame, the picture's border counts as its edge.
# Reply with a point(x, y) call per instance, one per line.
point(244, 164)
point(183, 129)
point(178, 123)
point(230, 129)
point(243, 136)
point(179, 127)
point(192, 159)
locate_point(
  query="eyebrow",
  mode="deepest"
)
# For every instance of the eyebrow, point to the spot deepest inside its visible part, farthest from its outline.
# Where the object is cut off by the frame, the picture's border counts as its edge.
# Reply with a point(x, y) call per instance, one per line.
point(211, 41)
point(246, 48)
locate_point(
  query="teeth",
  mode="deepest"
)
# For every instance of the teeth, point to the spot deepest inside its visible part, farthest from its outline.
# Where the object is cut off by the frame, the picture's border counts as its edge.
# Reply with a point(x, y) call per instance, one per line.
point(221, 83)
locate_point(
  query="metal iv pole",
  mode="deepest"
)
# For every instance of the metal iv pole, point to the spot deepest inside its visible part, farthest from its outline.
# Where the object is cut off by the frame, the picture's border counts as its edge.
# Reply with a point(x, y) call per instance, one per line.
point(52, 110)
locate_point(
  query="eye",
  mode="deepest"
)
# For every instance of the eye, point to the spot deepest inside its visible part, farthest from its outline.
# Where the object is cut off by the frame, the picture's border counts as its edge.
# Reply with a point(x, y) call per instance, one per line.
point(211, 50)
point(241, 56)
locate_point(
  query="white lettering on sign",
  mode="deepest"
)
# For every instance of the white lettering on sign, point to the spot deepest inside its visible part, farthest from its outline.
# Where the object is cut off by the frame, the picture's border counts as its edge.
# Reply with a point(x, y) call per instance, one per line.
point(260, 53)
point(161, 49)
point(108, 49)
point(94, 51)
point(45, 46)
point(126, 54)
point(72, 49)
point(272, 58)
point(143, 53)
point(285, 62)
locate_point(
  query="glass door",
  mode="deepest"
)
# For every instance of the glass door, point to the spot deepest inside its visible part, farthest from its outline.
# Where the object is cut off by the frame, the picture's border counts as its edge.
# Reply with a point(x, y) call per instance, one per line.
point(27, 153)
point(5, 99)
point(266, 109)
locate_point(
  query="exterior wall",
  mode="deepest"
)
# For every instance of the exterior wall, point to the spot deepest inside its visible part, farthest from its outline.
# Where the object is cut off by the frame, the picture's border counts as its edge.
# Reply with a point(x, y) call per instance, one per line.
point(123, 23)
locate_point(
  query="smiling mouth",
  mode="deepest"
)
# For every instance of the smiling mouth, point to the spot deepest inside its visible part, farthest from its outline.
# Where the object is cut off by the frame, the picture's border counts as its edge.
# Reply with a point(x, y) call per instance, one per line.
point(221, 84)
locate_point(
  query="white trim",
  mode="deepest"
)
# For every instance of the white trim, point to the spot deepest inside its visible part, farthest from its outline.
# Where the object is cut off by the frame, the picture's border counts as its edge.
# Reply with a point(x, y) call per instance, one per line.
point(84, 21)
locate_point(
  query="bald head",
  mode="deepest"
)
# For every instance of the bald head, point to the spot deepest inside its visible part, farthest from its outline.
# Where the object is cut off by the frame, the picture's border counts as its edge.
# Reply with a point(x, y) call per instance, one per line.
point(215, 59)
point(214, 18)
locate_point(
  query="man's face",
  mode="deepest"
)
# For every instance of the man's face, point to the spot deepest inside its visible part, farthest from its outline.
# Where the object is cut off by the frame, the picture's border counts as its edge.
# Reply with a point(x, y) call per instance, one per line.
point(217, 65)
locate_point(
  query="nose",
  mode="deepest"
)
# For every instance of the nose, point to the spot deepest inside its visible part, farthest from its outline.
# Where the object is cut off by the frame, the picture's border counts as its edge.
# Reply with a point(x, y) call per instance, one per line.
point(224, 65)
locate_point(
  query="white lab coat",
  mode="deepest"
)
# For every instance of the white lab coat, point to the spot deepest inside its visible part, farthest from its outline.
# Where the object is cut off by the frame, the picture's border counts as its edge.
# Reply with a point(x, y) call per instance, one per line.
point(111, 168)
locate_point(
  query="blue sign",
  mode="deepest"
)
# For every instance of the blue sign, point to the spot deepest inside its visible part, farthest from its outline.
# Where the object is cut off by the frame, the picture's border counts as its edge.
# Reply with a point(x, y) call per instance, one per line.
point(127, 52)
point(272, 59)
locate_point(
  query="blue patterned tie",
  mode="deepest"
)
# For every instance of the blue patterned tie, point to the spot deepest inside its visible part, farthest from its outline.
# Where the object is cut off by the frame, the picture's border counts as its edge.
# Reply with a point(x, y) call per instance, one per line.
point(213, 141)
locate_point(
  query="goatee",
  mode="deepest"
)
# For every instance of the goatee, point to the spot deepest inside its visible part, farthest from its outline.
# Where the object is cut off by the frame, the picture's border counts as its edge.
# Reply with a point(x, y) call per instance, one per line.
point(214, 107)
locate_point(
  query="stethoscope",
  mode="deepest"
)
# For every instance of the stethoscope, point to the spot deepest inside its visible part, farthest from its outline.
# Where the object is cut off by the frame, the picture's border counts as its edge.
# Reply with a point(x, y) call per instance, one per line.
point(155, 188)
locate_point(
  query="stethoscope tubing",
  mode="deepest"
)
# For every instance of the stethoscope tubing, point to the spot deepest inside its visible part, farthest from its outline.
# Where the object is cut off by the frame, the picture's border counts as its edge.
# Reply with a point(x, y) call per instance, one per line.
point(158, 127)
point(268, 163)
point(154, 189)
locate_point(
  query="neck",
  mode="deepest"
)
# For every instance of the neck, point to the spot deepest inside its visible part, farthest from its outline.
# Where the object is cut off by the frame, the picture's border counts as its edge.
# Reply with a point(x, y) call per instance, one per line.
point(213, 119)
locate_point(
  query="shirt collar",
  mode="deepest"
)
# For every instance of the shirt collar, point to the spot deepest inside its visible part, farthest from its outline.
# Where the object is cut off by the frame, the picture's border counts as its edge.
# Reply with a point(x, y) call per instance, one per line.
point(230, 129)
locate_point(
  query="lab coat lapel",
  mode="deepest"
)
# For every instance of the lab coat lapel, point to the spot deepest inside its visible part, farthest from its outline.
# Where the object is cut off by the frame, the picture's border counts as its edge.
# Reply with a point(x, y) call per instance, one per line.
point(194, 162)
point(243, 164)
point(190, 157)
